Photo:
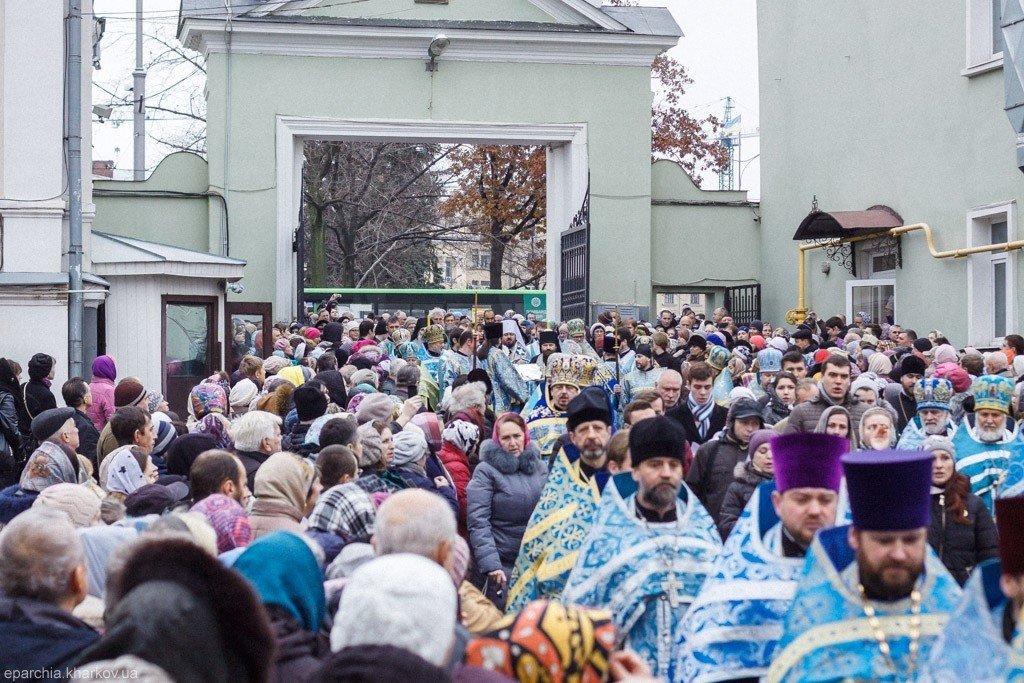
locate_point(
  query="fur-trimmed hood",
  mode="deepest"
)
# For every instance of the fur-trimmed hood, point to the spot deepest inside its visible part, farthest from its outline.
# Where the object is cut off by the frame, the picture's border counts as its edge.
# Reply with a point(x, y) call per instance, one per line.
point(506, 463)
point(744, 471)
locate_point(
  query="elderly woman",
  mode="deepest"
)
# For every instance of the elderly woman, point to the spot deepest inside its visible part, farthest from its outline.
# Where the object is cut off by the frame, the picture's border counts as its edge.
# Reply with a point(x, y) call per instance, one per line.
point(877, 431)
point(501, 495)
point(376, 447)
point(205, 399)
point(458, 440)
point(130, 469)
point(962, 531)
point(409, 462)
point(288, 580)
point(287, 487)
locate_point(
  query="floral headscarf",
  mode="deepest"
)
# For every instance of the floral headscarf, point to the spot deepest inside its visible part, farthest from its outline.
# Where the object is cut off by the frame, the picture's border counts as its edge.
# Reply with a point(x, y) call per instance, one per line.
point(228, 519)
point(217, 427)
point(47, 466)
point(207, 398)
point(547, 641)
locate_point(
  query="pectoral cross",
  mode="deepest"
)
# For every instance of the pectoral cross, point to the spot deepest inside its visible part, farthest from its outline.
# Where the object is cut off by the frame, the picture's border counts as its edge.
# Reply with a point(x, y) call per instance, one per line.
point(670, 586)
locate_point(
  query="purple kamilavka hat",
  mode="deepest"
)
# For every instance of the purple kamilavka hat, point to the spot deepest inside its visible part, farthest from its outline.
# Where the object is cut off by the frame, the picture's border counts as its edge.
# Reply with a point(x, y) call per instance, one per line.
point(889, 490)
point(808, 461)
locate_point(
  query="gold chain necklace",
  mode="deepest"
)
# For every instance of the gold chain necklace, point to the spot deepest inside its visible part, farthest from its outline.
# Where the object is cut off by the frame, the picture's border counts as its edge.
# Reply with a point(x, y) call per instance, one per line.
point(883, 641)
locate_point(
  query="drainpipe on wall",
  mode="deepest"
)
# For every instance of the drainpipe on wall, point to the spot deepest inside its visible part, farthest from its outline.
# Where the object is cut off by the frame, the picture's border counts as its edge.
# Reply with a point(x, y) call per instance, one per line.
point(76, 299)
point(797, 315)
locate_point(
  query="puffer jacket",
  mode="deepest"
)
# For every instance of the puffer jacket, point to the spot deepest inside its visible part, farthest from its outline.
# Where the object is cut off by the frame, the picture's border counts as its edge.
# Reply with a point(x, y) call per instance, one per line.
point(961, 547)
point(102, 401)
point(738, 495)
point(804, 417)
point(501, 496)
point(457, 464)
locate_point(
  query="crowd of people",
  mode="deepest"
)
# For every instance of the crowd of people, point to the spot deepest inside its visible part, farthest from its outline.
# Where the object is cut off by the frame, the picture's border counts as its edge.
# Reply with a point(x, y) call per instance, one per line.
point(487, 497)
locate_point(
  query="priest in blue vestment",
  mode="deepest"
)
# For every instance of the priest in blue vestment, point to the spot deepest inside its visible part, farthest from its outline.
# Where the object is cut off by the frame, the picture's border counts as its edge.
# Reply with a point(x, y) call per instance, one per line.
point(733, 627)
point(983, 640)
point(873, 597)
point(650, 549)
point(568, 504)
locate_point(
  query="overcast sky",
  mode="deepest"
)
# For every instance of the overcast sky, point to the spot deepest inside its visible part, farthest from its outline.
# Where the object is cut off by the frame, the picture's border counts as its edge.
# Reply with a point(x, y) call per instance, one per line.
point(719, 50)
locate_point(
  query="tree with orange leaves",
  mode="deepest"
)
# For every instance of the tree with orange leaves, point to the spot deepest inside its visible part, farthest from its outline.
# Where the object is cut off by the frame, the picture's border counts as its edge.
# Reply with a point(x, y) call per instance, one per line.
point(501, 194)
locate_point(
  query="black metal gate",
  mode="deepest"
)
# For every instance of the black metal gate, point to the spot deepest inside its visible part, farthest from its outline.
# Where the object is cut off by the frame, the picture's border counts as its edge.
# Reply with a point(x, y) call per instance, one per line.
point(744, 303)
point(576, 264)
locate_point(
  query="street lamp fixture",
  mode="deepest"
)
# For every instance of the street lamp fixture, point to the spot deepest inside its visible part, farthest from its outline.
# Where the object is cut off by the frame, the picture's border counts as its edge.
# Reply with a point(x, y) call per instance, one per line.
point(436, 48)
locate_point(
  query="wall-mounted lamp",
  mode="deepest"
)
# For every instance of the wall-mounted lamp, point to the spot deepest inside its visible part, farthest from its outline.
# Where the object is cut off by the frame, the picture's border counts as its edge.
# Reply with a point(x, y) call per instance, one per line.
point(437, 47)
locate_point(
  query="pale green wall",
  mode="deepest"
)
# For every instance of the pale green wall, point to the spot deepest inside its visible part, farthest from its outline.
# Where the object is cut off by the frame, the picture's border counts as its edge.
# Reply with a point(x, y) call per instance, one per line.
point(614, 101)
point(183, 222)
point(863, 103)
point(457, 10)
point(693, 243)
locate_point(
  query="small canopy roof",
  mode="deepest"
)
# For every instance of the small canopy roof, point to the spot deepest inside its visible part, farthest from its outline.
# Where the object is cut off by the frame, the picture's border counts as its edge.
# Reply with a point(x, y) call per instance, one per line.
point(844, 224)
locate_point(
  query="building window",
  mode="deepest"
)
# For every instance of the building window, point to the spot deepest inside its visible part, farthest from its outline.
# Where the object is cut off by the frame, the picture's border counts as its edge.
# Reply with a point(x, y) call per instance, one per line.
point(984, 36)
point(876, 297)
point(448, 270)
point(670, 299)
point(991, 276)
point(481, 259)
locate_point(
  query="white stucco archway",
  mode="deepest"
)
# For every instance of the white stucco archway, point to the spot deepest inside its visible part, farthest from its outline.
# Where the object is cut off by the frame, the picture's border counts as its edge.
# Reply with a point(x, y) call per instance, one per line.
point(567, 176)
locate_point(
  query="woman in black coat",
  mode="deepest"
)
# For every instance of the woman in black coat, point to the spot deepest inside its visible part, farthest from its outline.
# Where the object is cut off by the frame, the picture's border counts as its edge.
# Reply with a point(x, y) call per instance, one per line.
point(962, 531)
point(37, 393)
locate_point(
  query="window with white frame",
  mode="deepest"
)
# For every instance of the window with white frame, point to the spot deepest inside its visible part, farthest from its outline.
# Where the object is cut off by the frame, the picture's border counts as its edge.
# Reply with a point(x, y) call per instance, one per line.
point(984, 36)
point(874, 293)
point(991, 275)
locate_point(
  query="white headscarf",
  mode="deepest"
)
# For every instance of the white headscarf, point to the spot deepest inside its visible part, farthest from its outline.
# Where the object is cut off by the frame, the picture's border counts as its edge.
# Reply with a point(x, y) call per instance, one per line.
point(124, 474)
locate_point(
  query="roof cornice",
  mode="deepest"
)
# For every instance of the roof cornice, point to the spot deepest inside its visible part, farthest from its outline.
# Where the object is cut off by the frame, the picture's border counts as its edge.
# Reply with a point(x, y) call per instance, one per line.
point(299, 39)
point(576, 12)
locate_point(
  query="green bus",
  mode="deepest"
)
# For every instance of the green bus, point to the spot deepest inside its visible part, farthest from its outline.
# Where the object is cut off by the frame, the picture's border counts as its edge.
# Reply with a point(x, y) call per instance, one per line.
point(417, 302)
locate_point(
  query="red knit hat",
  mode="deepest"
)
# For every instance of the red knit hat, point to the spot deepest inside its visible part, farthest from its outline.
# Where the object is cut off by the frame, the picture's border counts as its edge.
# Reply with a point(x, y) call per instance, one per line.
point(128, 392)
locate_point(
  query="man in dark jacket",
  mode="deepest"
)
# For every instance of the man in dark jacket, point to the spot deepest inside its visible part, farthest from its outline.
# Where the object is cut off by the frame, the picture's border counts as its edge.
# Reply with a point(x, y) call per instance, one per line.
point(714, 464)
point(77, 395)
point(697, 412)
point(42, 578)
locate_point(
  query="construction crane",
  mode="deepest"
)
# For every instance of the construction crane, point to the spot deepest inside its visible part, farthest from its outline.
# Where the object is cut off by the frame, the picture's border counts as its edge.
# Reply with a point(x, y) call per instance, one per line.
point(730, 139)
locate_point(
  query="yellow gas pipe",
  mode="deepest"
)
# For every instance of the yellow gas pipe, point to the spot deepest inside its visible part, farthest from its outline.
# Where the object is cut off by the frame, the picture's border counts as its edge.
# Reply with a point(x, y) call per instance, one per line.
point(797, 315)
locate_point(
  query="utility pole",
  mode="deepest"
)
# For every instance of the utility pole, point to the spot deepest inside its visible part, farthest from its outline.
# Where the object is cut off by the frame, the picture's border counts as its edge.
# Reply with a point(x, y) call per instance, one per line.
point(139, 99)
point(73, 103)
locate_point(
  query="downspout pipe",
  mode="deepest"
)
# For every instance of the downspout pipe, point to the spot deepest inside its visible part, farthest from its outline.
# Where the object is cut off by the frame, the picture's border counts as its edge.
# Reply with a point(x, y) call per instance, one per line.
point(797, 315)
point(76, 298)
